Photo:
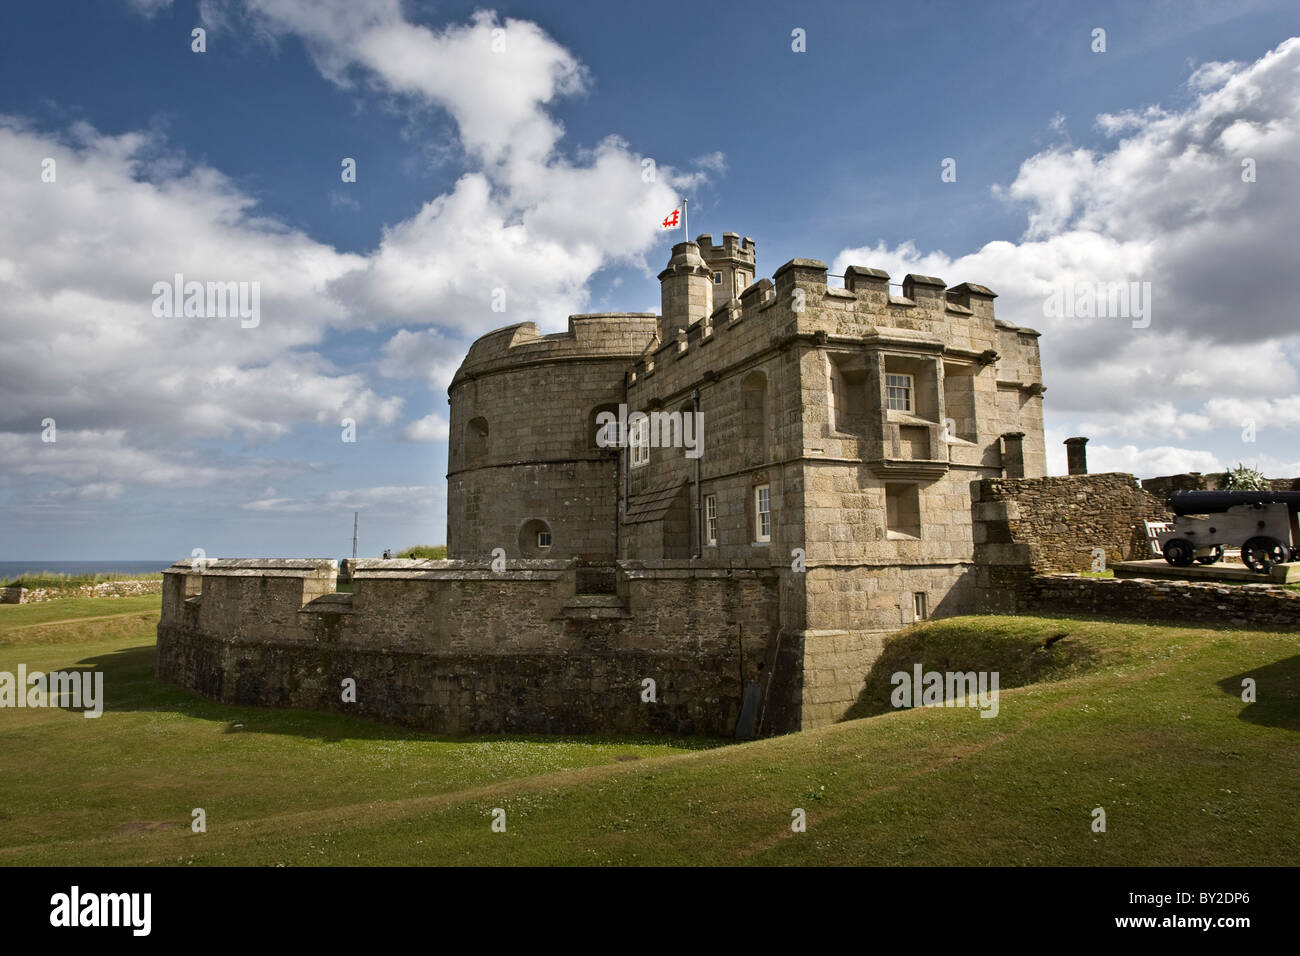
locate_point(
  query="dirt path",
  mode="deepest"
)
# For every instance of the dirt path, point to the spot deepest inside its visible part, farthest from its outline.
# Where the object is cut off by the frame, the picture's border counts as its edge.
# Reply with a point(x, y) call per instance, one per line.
point(72, 620)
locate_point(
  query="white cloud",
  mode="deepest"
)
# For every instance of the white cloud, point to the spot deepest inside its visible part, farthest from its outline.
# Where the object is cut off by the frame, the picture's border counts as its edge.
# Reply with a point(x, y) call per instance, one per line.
point(432, 427)
point(90, 464)
point(1166, 205)
point(524, 220)
point(79, 257)
point(382, 502)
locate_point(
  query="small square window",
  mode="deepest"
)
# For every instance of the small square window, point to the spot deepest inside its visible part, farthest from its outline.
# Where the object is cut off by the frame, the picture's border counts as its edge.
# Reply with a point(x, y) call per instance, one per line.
point(711, 519)
point(763, 513)
point(898, 392)
point(543, 539)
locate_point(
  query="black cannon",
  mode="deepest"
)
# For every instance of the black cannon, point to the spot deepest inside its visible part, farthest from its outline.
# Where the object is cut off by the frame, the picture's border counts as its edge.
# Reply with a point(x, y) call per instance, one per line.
point(1264, 524)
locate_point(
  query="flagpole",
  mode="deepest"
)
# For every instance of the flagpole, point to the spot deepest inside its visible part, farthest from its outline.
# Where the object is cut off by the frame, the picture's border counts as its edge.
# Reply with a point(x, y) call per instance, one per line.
point(686, 221)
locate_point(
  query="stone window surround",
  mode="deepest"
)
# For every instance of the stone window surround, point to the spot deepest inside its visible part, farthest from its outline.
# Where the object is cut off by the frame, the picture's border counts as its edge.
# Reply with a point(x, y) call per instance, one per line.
point(760, 514)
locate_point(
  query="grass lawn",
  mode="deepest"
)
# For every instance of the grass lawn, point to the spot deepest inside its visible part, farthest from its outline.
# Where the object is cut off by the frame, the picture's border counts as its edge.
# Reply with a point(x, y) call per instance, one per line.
point(1146, 722)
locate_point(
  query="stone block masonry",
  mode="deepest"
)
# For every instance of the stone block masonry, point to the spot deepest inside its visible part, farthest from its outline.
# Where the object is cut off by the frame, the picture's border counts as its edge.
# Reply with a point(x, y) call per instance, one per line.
point(453, 647)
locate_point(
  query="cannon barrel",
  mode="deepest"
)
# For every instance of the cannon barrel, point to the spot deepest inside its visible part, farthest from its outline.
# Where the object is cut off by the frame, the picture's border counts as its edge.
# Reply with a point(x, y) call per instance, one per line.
point(1211, 502)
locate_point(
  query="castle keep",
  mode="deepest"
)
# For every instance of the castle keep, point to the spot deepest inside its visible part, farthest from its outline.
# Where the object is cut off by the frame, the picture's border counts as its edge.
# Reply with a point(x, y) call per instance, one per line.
point(735, 500)
point(841, 431)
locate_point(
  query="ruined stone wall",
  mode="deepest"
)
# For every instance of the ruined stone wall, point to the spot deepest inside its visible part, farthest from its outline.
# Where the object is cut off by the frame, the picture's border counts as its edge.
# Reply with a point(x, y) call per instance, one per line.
point(105, 589)
point(1053, 524)
point(453, 647)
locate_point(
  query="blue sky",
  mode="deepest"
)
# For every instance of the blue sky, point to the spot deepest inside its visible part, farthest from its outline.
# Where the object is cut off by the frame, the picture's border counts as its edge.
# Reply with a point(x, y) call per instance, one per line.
point(478, 170)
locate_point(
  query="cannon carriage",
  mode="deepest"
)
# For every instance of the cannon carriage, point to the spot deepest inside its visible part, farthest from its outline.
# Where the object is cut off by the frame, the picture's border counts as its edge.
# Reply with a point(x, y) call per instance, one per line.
point(1265, 525)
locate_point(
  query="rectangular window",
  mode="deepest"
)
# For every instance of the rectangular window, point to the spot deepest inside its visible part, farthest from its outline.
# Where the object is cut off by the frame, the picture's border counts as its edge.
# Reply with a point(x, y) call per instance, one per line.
point(763, 513)
point(742, 280)
point(898, 392)
point(919, 609)
point(639, 439)
point(717, 278)
point(711, 519)
point(543, 539)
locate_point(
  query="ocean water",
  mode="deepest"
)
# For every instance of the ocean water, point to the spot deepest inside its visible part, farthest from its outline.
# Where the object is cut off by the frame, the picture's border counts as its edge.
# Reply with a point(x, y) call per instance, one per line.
point(13, 569)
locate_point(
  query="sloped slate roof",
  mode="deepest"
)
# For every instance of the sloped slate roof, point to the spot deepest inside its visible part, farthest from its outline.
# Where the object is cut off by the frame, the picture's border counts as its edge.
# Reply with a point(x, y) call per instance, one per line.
point(653, 503)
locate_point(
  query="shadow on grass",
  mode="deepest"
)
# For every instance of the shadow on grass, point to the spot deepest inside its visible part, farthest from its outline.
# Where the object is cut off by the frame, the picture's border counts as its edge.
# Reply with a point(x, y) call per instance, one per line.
point(1277, 694)
point(130, 685)
point(1021, 652)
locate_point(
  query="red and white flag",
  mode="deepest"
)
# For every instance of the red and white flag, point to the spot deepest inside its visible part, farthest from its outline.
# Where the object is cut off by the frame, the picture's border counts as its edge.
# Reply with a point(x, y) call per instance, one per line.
point(672, 221)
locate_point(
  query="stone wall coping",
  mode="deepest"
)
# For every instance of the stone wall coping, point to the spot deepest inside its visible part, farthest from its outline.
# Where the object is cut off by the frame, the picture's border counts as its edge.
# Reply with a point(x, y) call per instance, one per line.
point(288, 567)
point(461, 574)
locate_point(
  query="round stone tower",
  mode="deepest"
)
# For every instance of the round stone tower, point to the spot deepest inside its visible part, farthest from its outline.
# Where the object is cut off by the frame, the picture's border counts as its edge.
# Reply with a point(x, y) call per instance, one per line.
point(525, 469)
point(686, 289)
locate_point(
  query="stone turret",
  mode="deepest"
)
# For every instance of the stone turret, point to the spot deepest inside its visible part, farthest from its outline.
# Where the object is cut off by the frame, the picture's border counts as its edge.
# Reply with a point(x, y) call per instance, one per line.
point(686, 287)
point(732, 265)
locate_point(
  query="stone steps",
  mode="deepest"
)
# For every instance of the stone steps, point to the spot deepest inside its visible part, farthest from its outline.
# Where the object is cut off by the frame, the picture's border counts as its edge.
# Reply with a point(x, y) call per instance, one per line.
point(595, 607)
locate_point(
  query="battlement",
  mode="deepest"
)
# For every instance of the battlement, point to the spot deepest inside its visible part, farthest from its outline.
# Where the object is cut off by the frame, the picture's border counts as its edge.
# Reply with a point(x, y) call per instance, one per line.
point(797, 300)
point(733, 247)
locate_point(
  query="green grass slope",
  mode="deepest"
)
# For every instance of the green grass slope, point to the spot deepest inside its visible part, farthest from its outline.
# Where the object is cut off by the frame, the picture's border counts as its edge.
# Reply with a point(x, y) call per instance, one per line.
point(1145, 722)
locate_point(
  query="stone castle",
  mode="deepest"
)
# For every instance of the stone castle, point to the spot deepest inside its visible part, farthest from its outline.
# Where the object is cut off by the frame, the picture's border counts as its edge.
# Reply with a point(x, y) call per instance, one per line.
point(704, 521)
point(842, 428)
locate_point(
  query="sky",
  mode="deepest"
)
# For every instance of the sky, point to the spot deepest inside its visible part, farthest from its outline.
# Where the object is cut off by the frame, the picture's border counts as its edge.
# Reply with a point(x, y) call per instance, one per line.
point(1041, 149)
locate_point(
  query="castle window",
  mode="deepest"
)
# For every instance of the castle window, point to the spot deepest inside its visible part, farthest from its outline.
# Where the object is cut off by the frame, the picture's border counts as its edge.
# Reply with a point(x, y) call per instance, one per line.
point(920, 608)
point(711, 519)
point(898, 392)
point(717, 278)
point(534, 538)
point(603, 436)
point(742, 281)
point(959, 401)
point(476, 442)
point(763, 513)
point(639, 440)
point(753, 403)
point(902, 512)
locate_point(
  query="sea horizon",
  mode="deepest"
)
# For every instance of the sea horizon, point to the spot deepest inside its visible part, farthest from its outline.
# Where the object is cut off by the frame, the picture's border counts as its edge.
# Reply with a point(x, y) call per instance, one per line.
point(14, 569)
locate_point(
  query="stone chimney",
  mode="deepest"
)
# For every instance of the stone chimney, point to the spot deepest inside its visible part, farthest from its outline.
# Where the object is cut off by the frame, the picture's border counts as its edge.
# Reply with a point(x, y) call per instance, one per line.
point(1076, 456)
point(686, 290)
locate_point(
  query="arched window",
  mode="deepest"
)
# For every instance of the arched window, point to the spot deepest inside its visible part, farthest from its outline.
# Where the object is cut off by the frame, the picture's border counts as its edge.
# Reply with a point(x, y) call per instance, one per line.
point(753, 405)
point(535, 538)
point(476, 442)
point(603, 437)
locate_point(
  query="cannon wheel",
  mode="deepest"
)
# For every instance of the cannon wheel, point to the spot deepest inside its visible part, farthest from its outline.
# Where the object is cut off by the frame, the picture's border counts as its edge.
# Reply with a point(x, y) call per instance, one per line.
point(1260, 554)
point(1179, 552)
point(1212, 557)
